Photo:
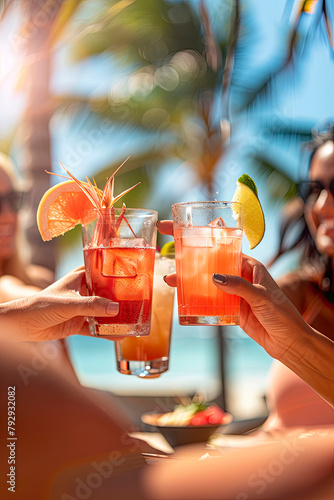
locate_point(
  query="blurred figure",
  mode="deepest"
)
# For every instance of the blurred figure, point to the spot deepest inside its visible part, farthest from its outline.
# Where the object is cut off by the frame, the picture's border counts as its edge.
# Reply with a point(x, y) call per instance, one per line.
point(17, 277)
point(70, 442)
point(309, 226)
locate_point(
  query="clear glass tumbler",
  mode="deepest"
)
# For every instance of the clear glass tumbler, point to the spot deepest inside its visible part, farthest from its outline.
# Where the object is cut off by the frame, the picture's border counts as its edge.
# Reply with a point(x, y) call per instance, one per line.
point(208, 240)
point(119, 250)
point(148, 357)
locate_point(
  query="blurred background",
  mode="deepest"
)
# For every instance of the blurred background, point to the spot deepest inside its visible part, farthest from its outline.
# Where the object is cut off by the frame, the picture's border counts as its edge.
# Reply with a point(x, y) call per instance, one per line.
point(196, 93)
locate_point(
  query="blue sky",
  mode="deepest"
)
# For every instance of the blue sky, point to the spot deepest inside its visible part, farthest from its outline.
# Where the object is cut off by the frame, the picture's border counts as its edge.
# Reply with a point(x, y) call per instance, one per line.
point(302, 95)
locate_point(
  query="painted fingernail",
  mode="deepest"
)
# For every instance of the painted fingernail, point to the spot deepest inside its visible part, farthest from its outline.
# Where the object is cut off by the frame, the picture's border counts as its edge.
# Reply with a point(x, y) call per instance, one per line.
point(112, 308)
point(164, 278)
point(157, 224)
point(220, 278)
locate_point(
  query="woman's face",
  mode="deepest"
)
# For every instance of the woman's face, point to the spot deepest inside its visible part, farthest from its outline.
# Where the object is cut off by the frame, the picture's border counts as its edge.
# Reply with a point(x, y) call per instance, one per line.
point(8, 218)
point(319, 211)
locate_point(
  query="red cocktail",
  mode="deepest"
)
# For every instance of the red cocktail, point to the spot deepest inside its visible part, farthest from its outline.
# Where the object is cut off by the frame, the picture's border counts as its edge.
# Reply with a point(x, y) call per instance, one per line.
point(119, 266)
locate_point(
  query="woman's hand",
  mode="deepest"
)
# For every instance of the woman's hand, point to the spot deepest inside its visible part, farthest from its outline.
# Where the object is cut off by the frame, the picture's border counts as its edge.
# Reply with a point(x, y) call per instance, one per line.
point(268, 317)
point(56, 312)
point(266, 314)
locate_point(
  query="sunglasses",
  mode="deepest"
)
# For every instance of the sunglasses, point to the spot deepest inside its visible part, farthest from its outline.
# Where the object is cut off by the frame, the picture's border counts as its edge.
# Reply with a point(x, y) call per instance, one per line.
point(13, 200)
point(309, 191)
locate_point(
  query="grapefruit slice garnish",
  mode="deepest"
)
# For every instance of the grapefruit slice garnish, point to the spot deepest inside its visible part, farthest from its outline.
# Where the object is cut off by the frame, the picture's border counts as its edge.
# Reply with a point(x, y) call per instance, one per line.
point(65, 205)
point(61, 209)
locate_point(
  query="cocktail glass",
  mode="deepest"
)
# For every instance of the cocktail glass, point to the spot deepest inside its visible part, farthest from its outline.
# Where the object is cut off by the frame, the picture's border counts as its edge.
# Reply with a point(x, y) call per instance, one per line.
point(208, 239)
point(148, 357)
point(119, 249)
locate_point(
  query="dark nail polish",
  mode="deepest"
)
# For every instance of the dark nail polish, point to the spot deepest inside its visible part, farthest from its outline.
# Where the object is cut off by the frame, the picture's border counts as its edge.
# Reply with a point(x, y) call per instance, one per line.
point(220, 278)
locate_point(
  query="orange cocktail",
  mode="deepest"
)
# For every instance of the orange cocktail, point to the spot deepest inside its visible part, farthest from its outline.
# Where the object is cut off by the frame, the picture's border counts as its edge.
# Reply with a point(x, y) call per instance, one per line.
point(148, 357)
point(206, 244)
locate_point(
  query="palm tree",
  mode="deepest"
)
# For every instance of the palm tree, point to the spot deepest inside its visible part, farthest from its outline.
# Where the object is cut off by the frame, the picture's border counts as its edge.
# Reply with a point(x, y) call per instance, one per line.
point(174, 67)
point(31, 41)
point(170, 72)
point(169, 87)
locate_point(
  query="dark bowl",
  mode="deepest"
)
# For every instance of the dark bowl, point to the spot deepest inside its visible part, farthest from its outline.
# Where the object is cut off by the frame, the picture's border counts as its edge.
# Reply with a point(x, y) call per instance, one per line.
point(178, 435)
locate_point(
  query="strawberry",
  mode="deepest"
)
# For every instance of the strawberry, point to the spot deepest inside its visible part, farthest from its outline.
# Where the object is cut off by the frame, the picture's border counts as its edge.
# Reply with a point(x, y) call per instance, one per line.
point(212, 415)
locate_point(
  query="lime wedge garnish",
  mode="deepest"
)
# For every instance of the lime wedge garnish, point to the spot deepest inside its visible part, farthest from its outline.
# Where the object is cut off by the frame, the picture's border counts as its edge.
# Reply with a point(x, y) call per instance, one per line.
point(168, 250)
point(246, 194)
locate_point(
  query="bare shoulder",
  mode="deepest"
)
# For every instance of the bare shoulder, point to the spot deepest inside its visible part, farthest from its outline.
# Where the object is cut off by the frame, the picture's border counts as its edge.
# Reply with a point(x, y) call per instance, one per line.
point(295, 281)
point(39, 276)
point(299, 287)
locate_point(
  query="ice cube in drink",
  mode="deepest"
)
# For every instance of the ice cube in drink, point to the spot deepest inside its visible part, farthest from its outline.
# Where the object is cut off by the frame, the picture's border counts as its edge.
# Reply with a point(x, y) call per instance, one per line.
point(201, 252)
point(124, 274)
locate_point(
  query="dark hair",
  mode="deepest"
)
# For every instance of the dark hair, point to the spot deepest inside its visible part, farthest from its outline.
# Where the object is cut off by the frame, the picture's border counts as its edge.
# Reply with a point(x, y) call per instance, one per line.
point(318, 140)
point(294, 232)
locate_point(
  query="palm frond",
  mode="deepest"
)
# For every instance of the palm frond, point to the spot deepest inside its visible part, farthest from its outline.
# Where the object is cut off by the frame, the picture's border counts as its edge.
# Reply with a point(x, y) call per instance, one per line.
point(230, 56)
point(328, 24)
point(5, 5)
point(280, 185)
point(65, 15)
point(290, 130)
point(140, 32)
point(264, 87)
point(212, 50)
